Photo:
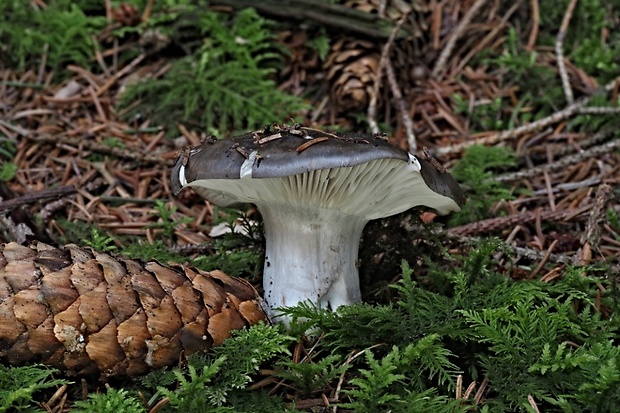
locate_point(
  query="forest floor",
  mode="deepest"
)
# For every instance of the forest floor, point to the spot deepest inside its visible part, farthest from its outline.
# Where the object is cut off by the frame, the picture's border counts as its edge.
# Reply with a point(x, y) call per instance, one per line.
point(76, 168)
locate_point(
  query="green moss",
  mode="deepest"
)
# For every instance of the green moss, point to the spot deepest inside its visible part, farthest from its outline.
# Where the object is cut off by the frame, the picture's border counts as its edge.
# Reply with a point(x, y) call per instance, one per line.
point(530, 339)
point(62, 31)
point(157, 251)
point(7, 171)
point(18, 385)
point(474, 171)
point(215, 382)
point(586, 44)
point(226, 84)
point(113, 401)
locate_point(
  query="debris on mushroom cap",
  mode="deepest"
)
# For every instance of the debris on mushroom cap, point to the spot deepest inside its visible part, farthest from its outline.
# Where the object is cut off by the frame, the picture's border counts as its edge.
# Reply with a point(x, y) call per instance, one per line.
point(289, 151)
point(315, 149)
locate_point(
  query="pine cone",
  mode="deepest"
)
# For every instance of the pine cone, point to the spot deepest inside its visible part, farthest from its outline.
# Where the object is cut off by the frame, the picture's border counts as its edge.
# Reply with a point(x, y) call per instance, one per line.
point(351, 71)
point(87, 312)
point(352, 64)
point(395, 9)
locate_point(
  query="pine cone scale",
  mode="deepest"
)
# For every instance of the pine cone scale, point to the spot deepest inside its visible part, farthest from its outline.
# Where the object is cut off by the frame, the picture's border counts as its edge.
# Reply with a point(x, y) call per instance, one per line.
point(219, 324)
point(213, 294)
point(28, 308)
point(103, 347)
point(10, 328)
point(168, 280)
point(19, 272)
point(163, 351)
point(194, 336)
point(83, 284)
point(94, 309)
point(188, 302)
point(68, 326)
point(132, 333)
point(58, 291)
point(41, 337)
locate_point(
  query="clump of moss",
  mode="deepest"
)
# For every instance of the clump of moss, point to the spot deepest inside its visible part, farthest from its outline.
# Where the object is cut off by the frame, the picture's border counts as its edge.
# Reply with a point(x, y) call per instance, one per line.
point(62, 32)
point(474, 171)
point(227, 84)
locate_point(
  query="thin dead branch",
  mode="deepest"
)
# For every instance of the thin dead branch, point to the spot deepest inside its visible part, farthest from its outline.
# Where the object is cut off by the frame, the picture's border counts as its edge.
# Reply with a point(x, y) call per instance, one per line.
point(531, 41)
point(491, 36)
point(563, 114)
point(440, 65)
point(495, 224)
point(526, 252)
point(568, 161)
point(29, 198)
point(374, 95)
point(403, 110)
point(559, 52)
point(163, 159)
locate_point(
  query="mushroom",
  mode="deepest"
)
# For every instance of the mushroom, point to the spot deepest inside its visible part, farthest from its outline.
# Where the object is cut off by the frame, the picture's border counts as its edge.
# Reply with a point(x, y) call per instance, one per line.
point(316, 191)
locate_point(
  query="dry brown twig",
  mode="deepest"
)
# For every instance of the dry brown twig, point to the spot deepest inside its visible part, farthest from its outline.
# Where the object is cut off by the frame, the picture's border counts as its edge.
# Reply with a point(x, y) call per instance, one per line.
point(531, 41)
point(529, 253)
point(559, 44)
point(591, 237)
point(494, 224)
point(31, 197)
point(597, 138)
point(532, 403)
point(560, 164)
point(488, 38)
point(543, 260)
point(402, 107)
point(372, 104)
point(384, 62)
point(480, 393)
point(101, 148)
point(563, 114)
point(568, 186)
point(440, 65)
point(599, 110)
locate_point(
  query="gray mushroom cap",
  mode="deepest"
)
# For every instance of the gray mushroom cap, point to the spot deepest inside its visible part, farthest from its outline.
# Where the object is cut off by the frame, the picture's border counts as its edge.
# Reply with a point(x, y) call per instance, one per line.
point(286, 152)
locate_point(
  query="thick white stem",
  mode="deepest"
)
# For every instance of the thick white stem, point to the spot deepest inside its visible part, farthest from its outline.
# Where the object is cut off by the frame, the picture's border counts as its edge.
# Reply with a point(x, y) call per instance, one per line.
point(311, 255)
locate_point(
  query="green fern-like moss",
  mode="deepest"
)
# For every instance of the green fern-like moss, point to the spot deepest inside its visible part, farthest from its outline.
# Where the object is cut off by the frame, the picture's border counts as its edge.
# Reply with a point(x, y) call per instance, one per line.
point(62, 31)
point(530, 339)
point(113, 401)
point(211, 383)
point(474, 171)
point(19, 384)
point(226, 84)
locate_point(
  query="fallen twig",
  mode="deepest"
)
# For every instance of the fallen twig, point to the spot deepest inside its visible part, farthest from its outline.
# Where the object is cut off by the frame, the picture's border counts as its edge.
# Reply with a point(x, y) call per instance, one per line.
point(560, 164)
point(484, 43)
point(31, 197)
point(531, 41)
point(402, 107)
point(385, 53)
point(494, 224)
point(591, 238)
point(599, 110)
point(525, 252)
point(559, 43)
point(440, 65)
point(529, 127)
point(101, 148)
